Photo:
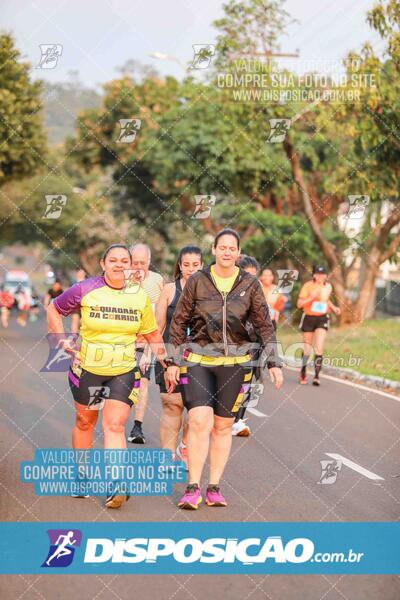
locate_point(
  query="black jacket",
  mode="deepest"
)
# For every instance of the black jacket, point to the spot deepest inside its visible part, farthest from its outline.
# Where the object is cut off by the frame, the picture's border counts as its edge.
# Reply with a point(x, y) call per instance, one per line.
point(217, 322)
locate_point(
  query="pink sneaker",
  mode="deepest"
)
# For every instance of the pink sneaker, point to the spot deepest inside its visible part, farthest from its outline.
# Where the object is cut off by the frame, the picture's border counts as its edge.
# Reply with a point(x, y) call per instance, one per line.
point(214, 496)
point(182, 453)
point(191, 499)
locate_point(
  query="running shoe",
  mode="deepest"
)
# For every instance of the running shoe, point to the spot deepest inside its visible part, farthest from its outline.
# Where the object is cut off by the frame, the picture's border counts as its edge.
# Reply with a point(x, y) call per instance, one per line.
point(182, 454)
point(136, 435)
point(214, 496)
point(81, 483)
point(116, 501)
point(191, 499)
point(303, 379)
point(240, 428)
point(316, 381)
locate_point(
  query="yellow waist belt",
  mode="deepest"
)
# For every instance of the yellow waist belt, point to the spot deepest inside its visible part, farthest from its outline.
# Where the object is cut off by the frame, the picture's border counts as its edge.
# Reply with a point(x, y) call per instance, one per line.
point(217, 360)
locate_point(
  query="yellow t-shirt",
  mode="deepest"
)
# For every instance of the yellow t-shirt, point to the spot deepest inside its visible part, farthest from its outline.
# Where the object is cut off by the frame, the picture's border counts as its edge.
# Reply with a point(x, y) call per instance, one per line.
point(224, 284)
point(110, 321)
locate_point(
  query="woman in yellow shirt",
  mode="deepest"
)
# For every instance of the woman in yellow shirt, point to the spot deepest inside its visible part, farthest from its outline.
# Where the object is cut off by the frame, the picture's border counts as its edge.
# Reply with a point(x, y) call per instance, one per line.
point(215, 369)
point(104, 374)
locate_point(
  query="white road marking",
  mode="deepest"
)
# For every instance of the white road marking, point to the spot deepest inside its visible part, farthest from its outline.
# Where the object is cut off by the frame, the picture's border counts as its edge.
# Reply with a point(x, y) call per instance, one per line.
point(352, 465)
point(352, 384)
point(255, 412)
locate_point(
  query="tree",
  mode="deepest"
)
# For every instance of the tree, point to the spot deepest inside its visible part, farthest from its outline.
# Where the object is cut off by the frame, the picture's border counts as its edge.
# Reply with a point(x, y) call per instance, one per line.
point(25, 216)
point(370, 150)
point(329, 143)
point(23, 145)
point(249, 27)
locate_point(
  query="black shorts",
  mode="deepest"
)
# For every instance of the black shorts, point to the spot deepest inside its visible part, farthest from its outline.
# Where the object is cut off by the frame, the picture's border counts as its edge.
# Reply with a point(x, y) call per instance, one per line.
point(147, 373)
point(223, 388)
point(310, 323)
point(92, 390)
point(160, 381)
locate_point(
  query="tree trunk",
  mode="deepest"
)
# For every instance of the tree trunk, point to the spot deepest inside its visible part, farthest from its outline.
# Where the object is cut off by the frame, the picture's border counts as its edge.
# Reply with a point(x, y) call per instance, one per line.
point(344, 303)
point(89, 262)
point(357, 311)
point(329, 251)
point(367, 288)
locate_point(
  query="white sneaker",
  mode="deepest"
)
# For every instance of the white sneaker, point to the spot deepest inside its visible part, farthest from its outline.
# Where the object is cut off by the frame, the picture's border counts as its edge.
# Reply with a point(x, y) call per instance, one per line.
point(182, 453)
point(240, 428)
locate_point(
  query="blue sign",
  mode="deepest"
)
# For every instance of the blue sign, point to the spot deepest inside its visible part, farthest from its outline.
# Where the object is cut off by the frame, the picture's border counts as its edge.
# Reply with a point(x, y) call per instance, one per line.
point(200, 548)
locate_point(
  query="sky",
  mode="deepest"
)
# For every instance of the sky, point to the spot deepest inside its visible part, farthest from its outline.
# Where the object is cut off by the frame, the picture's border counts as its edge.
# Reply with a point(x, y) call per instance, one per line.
point(100, 35)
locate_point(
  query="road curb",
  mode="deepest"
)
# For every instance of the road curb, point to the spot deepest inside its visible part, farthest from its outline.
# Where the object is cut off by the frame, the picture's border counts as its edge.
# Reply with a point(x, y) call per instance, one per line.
point(351, 375)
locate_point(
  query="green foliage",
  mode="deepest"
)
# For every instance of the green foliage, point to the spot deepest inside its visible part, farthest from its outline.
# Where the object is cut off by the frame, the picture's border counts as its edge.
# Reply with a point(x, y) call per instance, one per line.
point(279, 240)
point(251, 27)
point(22, 213)
point(23, 141)
point(194, 139)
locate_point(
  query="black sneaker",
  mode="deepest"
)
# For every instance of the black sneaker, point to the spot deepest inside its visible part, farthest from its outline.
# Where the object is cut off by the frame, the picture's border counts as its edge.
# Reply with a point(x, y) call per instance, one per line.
point(316, 381)
point(136, 435)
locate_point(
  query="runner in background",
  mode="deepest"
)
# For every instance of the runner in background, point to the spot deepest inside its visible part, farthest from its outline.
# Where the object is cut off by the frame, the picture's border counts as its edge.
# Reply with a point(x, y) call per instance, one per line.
point(316, 305)
point(6, 303)
point(276, 303)
point(152, 283)
point(189, 261)
point(23, 300)
point(35, 306)
point(80, 275)
point(240, 427)
point(275, 300)
point(53, 292)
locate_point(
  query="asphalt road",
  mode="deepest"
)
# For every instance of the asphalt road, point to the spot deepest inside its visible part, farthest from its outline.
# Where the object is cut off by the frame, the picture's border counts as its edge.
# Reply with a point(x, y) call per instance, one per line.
point(271, 476)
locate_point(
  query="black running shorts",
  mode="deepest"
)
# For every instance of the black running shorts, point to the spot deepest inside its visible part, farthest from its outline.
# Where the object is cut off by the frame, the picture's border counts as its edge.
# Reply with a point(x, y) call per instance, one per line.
point(93, 390)
point(223, 388)
point(310, 323)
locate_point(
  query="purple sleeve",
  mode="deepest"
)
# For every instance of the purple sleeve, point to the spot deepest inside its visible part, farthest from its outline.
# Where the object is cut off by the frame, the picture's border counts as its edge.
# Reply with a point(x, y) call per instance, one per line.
point(69, 300)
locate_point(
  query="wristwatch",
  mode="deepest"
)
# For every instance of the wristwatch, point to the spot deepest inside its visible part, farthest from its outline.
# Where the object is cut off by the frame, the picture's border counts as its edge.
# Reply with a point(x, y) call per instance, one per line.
point(169, 362)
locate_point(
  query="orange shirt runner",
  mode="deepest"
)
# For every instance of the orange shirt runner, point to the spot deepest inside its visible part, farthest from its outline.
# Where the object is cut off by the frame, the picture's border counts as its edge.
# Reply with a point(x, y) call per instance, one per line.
point(275, 301)
point(319, 304)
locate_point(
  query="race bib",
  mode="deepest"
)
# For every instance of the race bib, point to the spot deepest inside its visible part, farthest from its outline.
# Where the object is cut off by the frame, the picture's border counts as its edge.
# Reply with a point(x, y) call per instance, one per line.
point(319, 307)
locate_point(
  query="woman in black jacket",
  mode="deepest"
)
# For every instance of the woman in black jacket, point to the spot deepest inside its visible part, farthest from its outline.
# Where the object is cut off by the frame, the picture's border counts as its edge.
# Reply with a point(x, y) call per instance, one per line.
point(215, 368)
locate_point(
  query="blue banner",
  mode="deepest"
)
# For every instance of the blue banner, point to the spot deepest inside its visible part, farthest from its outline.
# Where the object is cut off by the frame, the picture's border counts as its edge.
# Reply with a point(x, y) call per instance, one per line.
point(212, 548)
